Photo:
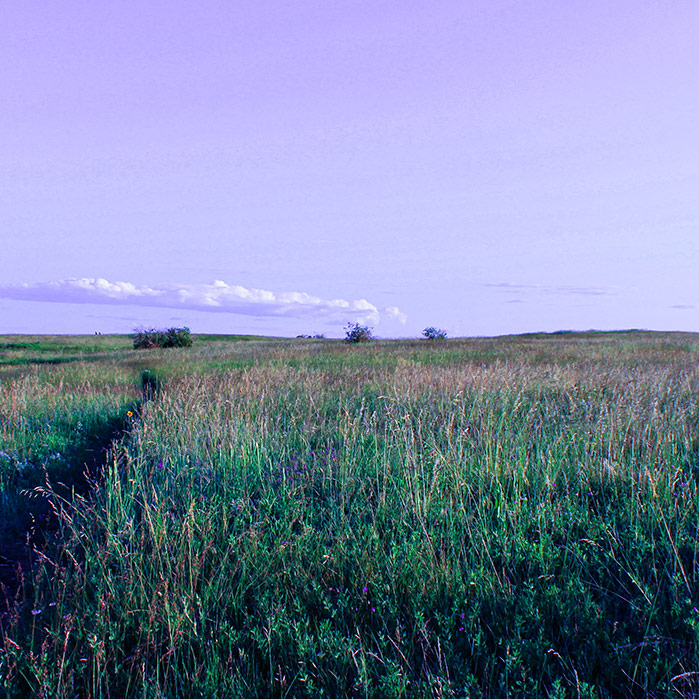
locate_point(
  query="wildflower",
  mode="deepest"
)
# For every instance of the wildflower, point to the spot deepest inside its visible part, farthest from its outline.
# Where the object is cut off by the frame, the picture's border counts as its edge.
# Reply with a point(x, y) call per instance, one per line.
point(36, 611)
point(129, 413)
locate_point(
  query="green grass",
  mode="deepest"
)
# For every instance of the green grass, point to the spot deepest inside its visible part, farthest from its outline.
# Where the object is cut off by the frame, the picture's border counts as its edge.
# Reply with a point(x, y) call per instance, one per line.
point(490, 517)
point(54, 423)
point(22, 350)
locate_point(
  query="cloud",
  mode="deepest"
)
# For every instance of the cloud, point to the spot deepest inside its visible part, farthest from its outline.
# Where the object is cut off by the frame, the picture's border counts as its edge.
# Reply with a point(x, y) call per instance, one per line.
point(684, 307)
point(546, 289)
point(395, 313)
point(216, 297)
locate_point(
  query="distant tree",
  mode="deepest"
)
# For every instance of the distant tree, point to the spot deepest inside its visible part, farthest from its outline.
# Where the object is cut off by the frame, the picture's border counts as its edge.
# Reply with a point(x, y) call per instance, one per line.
point(355, 333)
point(172, 337)
point(433, 333)
point(178, 337)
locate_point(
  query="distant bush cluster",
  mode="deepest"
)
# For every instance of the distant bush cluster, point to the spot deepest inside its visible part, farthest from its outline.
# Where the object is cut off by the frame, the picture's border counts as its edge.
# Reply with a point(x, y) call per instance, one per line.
point(172, 337)
point(432, 333)
point(355, 333)
point(315, 336)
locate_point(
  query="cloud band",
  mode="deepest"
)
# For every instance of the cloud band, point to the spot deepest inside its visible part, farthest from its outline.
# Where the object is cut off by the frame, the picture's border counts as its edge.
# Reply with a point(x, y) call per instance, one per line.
point(216, 297)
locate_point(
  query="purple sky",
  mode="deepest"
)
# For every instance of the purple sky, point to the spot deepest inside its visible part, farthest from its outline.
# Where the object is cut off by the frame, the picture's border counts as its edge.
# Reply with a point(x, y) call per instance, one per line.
point(485, 166)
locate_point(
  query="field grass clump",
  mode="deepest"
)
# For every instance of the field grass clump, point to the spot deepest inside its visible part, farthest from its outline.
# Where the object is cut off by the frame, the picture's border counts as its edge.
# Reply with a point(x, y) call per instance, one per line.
point(400, 523)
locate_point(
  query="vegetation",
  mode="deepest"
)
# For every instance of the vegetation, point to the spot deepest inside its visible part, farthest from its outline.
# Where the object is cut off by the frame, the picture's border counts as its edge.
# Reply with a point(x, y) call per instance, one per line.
point(493, 517)
point(356, 333)
point(172, 337)
point(432, 333)
point(19, 350)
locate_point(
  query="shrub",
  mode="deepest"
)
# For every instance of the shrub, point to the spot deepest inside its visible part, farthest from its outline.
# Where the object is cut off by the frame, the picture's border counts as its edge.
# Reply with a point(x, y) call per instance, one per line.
point(148, 339)
point(172, 337)
point(433, 333)
point(355, 333)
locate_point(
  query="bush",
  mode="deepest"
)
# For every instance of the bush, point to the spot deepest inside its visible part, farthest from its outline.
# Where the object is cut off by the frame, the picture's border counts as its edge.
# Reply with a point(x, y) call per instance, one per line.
point(172, 337)
point(355, 333)
point(432, 333)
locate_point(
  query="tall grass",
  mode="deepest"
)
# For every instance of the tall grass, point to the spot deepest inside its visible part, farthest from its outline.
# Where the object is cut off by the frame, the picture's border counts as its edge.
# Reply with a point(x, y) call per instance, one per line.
point(512, 517)
point(54, 422)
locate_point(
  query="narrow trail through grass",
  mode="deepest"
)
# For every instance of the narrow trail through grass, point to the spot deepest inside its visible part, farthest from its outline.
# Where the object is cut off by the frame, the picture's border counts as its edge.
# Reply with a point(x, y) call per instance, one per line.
point(28, 517)
point(22, 542)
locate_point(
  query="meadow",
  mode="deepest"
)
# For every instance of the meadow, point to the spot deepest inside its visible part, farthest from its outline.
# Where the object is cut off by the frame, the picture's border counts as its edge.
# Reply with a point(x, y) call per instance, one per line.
point(487, 517)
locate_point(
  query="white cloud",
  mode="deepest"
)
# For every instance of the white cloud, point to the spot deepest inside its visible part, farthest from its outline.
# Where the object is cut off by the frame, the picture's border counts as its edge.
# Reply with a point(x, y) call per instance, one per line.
point(395, 313)
point(217, 297)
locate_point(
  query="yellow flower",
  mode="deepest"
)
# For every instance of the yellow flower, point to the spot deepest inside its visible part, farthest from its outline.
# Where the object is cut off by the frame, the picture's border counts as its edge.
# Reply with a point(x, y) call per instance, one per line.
point(129, 413)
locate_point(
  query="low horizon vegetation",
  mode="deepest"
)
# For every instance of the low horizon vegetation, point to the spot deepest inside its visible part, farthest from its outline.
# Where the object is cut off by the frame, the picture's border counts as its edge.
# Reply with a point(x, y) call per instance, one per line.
point(484, 517)
point(432, 333)
point(356, 333)
point(153, 338)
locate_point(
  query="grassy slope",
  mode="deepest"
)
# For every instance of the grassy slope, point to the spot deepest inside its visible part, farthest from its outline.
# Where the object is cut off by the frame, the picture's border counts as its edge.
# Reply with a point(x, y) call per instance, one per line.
point(477, 518)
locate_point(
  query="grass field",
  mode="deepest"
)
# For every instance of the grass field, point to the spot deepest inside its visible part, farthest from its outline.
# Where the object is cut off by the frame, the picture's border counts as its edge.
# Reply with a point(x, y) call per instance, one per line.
point(491, 517)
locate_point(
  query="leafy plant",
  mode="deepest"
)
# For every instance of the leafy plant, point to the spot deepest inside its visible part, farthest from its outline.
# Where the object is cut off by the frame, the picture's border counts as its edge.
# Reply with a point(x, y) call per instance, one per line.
point(356, 333)
point(432, 333)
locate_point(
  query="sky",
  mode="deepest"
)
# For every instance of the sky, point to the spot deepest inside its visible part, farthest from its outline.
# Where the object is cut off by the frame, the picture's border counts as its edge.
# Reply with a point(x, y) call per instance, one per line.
point(275, 167)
